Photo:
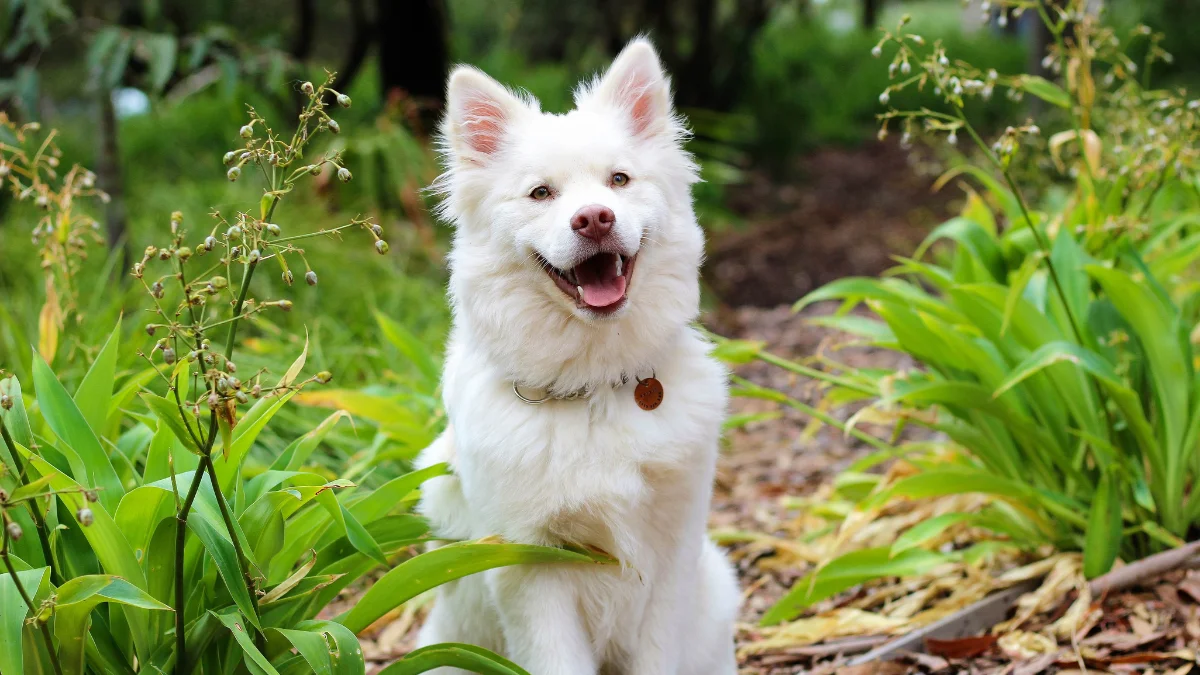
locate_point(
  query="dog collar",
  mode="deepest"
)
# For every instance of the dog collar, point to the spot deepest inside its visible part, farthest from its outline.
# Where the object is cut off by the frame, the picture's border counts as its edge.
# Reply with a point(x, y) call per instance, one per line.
point(648, 393)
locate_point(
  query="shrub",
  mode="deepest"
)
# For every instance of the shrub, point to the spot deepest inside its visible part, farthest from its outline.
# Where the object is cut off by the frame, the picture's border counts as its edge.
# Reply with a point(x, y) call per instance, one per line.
point(136, 532)
point(1056, 345)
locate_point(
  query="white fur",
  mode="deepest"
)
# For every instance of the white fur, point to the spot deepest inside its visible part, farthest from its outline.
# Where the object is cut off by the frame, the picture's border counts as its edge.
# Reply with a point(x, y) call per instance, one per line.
point(596, 471)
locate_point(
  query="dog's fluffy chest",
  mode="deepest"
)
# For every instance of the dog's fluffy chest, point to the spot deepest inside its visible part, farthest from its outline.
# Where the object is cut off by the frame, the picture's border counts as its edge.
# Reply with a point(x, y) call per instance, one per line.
point(589, 471)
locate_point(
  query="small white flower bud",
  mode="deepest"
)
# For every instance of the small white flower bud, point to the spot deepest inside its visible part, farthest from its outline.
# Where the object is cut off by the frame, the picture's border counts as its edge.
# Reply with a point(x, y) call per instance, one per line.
point(307, 88)
point(334, 126)
point(234, 173)
point(877, 51)
point(247, 131)
point(381, 246)
point(310, 277)
point(952, 139)
point(343, 100)
point(884, 97)
point(229, 157)
point(14, 531)
point(288, 277)
point(85, 516)
point(344, 175)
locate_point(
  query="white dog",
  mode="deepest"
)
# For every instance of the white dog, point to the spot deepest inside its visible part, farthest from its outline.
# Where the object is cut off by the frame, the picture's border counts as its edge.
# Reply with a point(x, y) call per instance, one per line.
point(574, 276)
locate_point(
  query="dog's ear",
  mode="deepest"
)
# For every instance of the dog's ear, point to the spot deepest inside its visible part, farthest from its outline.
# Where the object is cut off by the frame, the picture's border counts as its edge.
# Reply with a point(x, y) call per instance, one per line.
point(479, 111)
point(636, 85)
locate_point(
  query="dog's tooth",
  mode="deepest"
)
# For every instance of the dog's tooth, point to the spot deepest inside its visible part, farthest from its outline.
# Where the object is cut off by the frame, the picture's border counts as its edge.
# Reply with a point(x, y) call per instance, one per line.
point(620, 267)
point(579, 289)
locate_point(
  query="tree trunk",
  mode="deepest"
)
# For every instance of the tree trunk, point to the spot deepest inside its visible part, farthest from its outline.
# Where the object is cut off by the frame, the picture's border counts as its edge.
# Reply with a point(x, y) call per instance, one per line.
point(361, 38)
point(414, 57)
point(870, 14)
point(108, 175)
point(306, 27)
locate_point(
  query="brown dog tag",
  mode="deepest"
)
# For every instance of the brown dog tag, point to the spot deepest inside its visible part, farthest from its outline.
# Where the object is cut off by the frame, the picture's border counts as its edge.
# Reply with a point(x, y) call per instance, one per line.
point(648, 393)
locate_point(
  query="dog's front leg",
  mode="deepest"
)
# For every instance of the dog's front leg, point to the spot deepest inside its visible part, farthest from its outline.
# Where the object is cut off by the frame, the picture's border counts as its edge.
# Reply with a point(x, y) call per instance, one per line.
point(657, 646)
point(543, 626)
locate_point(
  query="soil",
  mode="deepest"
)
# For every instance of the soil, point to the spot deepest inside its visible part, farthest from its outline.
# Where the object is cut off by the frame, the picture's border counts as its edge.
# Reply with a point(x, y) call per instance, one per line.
point(847, 214)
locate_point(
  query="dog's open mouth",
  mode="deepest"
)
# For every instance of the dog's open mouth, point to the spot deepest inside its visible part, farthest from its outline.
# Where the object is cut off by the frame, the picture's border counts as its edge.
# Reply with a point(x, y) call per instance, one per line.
point(600, 283)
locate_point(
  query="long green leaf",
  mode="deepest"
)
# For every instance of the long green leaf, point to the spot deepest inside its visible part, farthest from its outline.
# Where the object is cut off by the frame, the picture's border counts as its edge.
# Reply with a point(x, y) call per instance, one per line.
point(175, 418)
point(1102, 542)
point(12, 617)
point(448, 654)
point(410, 347)
point(255, 661)
point(848, 571)
point(72, 612)
point(71, 427)
point(95, 391)
point(454, 561)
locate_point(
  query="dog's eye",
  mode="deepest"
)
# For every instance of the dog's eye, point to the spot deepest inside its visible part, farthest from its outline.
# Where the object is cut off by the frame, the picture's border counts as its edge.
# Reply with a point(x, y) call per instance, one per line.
point(540, 192)
point(619, 179)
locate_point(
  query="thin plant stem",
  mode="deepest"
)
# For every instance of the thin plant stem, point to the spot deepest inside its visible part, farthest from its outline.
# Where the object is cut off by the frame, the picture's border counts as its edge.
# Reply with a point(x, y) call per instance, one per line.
point(43, 534)
point(205, 466)
point(182, 665)
point(1042, 243)
point(237, 544)
point(45, 630)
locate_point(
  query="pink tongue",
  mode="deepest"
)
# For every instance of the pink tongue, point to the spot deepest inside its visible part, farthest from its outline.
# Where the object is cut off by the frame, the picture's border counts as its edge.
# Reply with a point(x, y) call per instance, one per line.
point(598, 278)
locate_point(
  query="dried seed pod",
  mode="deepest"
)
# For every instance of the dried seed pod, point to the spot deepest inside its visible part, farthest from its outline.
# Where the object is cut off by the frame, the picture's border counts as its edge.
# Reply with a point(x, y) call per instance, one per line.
point(168, 355)
point(6, 402)
point(150, 328)
point(90, 495)
point(3, 495)
point(156, 289)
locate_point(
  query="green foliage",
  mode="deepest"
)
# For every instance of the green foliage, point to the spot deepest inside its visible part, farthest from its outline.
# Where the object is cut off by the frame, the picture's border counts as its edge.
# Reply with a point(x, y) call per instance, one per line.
point(1057, 345)
point(813, 83)
point(162, 513)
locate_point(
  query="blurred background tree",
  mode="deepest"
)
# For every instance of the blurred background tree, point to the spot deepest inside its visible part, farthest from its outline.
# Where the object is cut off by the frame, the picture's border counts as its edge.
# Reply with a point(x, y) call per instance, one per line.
point(797, 191)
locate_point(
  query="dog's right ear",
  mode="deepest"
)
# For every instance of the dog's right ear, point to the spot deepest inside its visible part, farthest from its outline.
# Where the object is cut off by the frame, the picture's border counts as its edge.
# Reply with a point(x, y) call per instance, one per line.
point(479, 112)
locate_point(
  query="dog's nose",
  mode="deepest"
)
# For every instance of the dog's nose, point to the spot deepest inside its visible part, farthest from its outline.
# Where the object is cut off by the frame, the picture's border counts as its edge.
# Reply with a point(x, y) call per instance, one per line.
point(593, 222)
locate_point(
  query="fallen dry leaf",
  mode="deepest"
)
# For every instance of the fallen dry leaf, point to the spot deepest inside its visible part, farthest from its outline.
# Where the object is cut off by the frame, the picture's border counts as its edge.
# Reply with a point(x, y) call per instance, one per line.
point(961, 648)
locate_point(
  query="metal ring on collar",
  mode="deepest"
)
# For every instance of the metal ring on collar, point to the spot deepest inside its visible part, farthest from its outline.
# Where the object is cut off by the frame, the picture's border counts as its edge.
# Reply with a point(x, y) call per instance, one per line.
point(530, 401)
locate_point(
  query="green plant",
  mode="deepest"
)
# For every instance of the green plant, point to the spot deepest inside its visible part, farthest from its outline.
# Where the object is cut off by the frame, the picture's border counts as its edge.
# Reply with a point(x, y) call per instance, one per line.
point(1057, 345)
point(138, 535)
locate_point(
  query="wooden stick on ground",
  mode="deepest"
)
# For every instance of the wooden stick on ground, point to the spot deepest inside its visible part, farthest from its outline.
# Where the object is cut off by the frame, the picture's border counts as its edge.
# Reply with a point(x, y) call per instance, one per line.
point(1159, 563)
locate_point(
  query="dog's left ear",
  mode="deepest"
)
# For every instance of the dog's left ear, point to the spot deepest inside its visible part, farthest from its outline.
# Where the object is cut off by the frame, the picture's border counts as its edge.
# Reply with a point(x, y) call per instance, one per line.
point(636, 85)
